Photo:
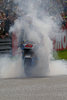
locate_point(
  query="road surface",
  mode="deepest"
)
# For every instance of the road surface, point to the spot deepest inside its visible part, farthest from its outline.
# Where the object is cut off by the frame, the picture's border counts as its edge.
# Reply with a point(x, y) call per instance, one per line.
point(48, 88)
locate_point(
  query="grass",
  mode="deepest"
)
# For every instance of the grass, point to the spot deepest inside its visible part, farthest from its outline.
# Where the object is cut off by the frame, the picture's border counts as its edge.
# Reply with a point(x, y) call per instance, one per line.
point(60, 54)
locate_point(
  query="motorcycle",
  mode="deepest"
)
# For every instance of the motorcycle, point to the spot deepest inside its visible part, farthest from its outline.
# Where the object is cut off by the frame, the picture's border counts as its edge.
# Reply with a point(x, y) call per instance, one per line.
point(29, 57)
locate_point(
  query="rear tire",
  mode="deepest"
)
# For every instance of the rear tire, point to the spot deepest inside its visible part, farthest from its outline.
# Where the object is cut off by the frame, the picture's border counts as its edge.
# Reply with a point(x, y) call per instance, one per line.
point(28, 66)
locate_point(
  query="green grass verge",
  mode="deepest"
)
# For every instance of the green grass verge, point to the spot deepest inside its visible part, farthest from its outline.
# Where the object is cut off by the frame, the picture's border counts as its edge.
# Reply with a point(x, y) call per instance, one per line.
point(60, 54)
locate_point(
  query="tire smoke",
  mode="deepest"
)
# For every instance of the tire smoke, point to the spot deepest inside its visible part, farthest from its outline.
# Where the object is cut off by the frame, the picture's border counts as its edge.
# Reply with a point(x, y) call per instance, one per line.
point(37, 28)
point(11, 67)
point(38, 21)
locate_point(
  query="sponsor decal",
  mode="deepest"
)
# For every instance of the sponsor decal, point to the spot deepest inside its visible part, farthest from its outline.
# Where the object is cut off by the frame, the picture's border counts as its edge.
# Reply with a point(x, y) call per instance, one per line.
point(61, 44)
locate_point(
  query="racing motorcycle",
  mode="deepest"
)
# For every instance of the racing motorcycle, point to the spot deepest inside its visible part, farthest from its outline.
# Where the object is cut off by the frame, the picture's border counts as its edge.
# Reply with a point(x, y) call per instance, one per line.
point(29, 57)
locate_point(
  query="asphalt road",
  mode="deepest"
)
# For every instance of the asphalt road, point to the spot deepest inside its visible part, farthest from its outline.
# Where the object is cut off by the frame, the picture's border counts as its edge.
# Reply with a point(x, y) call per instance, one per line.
point(48, 88)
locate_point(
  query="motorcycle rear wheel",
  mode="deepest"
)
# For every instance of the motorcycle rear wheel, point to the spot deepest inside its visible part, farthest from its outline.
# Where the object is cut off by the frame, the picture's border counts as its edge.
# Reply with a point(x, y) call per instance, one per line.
point(28, 66)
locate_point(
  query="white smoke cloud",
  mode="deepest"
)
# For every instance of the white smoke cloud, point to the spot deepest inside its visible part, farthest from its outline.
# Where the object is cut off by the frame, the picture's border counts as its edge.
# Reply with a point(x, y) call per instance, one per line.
point(11, 67)
point(38, 26)
point(41, 25)
point(37, 19)
point(58, 67)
